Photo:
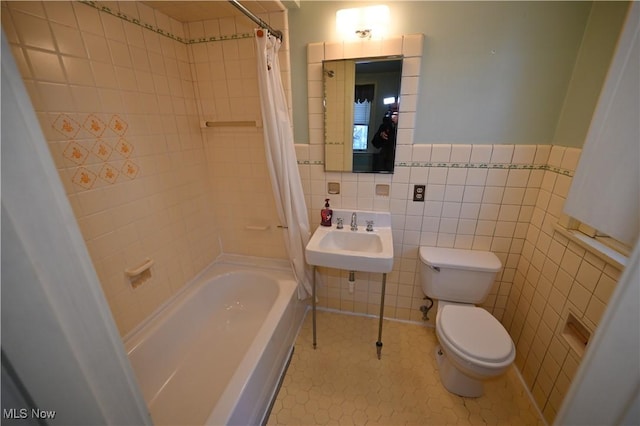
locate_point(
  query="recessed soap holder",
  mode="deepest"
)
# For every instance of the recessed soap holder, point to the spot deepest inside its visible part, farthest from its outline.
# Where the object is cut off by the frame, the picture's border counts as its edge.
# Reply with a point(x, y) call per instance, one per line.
point(576, 334)
point(139, 274)
point(333, 188)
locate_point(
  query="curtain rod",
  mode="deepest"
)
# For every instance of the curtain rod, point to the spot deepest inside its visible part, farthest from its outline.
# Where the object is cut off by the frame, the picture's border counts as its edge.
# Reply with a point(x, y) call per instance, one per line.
point(255, 19)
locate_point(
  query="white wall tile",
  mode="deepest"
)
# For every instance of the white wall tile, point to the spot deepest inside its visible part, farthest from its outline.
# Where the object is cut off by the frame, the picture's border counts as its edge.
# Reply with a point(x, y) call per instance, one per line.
point(68, 40)
point(481, 153)
point(332, 51)
point(440, 153)
point(460, 153)
point(411, 67)
point(315, 52)
point(518, 178)
point(470, 211)
point(409, 85)
point(555, 156)
point(407, 120)
point(403, 153)
point(492, 194)
point(476, 177)
point(438, 175)
point(45, 66)
point(419, 175)
point(570, 158)
point(513, 196)
point(421, 153)
point(524, 154)
point(502, 154)
point(113, 28)
point(497, 177)
point(412, 45)
point(454, 193)
point(456, 176)
point(408, 103)
point(473, 194)
point(391, 46)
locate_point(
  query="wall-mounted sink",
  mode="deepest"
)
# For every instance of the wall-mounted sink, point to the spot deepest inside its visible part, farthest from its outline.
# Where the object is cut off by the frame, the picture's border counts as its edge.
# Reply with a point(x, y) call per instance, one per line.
point(359, 250)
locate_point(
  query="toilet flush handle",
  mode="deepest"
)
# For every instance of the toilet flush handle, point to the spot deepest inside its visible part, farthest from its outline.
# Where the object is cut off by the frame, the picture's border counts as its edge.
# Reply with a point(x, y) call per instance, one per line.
point(435, 268)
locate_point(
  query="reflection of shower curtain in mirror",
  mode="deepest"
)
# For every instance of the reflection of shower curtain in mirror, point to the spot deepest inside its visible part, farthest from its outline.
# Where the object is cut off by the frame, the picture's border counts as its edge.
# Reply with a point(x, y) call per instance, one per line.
point(281, 159)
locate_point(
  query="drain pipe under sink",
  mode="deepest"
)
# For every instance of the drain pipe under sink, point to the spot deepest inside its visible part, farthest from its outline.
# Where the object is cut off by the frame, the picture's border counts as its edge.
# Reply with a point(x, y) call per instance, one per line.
point(352, 281)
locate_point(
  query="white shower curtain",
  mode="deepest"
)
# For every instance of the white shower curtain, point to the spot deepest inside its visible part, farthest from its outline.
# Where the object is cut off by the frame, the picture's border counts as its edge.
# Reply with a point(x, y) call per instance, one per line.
point(281, 159)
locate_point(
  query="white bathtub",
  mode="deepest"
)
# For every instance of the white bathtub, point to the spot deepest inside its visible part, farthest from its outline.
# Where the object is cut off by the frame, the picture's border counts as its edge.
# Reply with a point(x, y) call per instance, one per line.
point(215, 353)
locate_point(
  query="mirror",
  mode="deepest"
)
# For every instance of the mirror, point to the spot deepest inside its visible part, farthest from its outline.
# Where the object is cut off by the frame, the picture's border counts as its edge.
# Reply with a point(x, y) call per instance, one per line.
point(361, 101)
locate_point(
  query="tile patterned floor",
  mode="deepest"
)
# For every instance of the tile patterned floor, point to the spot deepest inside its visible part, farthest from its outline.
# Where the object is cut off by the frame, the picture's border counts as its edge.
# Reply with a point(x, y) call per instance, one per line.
point(342, 382)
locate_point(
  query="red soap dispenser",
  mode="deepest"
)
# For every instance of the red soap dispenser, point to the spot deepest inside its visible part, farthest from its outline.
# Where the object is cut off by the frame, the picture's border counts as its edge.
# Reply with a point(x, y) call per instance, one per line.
point(326, 214)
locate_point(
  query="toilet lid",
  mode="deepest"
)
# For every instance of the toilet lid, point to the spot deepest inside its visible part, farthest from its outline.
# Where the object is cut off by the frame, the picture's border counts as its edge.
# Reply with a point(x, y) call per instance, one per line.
point(476, 333)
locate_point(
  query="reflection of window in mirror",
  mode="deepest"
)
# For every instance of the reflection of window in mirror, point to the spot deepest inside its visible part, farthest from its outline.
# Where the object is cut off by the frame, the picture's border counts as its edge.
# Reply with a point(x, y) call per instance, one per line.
point(363, 98)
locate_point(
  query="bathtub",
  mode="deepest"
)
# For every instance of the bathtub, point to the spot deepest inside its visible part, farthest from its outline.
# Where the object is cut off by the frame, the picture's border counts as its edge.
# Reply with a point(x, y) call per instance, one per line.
point(214, 354)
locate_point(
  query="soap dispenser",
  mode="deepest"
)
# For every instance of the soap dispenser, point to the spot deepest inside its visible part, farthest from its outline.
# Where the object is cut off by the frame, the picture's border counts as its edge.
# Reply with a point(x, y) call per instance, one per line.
point(326, 214)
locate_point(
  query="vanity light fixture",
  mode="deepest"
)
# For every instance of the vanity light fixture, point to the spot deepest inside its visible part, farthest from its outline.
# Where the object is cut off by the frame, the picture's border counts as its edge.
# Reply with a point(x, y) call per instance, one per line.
point(364, 23)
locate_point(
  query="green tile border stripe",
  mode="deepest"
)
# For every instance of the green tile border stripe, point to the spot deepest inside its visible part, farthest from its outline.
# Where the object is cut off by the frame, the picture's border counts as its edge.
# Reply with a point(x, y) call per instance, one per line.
point(102, 8)
point(559, 171)
point(504, 166)
point(499, 166)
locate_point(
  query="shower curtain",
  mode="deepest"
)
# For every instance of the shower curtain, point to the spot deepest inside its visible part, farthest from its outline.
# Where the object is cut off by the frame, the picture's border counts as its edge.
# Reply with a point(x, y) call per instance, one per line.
point(281, 159)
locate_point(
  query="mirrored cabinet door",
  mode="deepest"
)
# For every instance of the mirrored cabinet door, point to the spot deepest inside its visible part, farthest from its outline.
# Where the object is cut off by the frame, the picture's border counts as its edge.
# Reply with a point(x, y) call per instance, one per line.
point(361, 103)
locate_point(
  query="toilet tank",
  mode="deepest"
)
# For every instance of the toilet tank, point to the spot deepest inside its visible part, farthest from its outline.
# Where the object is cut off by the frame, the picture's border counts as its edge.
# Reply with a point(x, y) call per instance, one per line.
point(457, 275)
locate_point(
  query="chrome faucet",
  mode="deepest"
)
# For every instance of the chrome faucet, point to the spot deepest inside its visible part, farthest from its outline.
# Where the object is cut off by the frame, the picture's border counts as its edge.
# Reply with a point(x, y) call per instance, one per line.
point(354, 221)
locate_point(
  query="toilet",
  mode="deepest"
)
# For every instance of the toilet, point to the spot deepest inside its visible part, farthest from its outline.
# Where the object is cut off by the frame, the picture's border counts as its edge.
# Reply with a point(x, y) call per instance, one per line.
point(474, 346)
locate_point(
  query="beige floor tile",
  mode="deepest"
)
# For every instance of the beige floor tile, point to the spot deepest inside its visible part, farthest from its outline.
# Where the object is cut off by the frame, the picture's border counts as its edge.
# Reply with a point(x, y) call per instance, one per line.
point(343, 382)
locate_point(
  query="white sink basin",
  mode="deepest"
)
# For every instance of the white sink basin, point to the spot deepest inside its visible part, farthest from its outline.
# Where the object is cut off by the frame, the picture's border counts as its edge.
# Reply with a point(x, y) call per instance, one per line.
point(353, 250)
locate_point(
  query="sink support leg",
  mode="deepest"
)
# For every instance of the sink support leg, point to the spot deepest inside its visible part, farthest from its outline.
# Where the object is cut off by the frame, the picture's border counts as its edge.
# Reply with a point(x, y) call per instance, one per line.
point(313, 304)
point(379, 342)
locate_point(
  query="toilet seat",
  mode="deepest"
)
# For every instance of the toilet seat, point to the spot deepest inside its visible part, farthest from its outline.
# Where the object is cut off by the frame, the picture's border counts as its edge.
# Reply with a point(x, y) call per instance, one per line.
point(475, 334)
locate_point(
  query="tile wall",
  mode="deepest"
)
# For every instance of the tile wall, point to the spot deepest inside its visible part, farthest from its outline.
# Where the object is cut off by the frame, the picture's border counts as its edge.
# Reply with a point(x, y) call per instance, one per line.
point(120, 100)
point(478, 197)
point(122, 105)
point(502, 198)
point(554, 277)
point(227, 88)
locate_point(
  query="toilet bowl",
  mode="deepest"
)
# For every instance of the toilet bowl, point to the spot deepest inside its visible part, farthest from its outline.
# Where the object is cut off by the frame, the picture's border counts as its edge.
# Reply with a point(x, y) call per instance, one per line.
point(474, 346)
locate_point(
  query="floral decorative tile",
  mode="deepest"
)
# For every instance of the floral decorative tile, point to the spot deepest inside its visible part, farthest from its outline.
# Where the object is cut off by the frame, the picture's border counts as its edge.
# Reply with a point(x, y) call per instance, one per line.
point(84, 177)
point(130, 169)
point(118, 125)
point(94, 125)
point(102, 150)
point(76, 152)
point(81, 152)
point(108, 173)
point(66, 125)
point(124, 148)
